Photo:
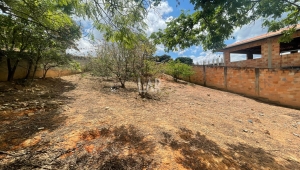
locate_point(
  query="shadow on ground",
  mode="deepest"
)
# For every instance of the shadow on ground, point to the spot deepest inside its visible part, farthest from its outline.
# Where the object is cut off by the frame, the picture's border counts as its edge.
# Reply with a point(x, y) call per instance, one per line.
point(198, 152)
point(116, 148)
point(25, 111)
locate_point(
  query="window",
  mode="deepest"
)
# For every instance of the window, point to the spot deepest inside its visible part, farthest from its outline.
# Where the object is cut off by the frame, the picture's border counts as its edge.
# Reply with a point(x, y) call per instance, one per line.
point(246, 54)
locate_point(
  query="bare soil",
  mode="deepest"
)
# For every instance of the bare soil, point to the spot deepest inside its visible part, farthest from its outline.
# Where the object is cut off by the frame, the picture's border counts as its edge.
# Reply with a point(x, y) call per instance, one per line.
point(79, 122)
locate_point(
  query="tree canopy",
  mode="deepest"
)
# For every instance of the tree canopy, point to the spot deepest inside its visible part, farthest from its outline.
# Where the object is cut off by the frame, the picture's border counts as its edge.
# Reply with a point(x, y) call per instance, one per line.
point(185, 60)
point(214, 21)
point(31, 26)
point(163, 58)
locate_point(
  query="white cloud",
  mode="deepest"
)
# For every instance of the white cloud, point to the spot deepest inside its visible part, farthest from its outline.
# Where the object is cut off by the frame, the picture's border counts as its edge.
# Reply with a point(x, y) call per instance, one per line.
point(86, 47)
point(160, 48)
point(250, 30)
point(206, 57)
point(156, 17)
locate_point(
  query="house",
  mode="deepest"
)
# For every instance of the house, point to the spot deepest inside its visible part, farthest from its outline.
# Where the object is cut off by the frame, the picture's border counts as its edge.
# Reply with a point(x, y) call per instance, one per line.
point(265, 51)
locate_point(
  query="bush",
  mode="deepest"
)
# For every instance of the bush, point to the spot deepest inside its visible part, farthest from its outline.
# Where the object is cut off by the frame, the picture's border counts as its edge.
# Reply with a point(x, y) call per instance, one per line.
point(178, 69)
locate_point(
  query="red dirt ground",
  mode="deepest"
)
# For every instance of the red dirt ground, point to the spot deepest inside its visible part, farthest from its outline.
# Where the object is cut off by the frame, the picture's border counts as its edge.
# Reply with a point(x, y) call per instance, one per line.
point(78, 122)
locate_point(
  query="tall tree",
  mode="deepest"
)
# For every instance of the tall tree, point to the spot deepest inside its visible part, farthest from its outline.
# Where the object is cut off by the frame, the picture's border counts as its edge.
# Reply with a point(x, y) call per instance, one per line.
point(214, 21)
point(14, 40)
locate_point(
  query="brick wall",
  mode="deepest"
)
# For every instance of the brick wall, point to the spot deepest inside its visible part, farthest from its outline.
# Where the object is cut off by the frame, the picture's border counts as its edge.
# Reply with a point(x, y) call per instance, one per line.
point(198, 77)
point(259, 63)
point(281, 86)
point(241, 80)
point(215, 77)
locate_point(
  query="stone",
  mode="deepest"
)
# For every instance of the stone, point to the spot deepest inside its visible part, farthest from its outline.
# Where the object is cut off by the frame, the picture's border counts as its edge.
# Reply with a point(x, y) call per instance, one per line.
point(295, 134)
point(24, 104)
point(261, 114)
point(245, 130)
point(106, 108)
point(65, 108)
point(267, 132)
point(30, 114)
point(41, 128)
point(250, 121)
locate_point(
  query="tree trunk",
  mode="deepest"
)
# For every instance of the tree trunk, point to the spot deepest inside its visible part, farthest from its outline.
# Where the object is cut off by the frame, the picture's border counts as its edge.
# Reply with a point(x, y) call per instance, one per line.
point(35, 67)
point(45, 72)
point(11, 70)
point(30, 63)
point(123, 85)
point(122, 82)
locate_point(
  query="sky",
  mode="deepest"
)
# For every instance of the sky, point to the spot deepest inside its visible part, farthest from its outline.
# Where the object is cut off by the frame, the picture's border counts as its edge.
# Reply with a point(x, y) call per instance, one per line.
point(156, 19)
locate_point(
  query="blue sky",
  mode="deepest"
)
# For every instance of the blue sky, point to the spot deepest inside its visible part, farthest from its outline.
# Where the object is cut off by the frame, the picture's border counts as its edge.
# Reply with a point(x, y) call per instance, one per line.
point(156, 19)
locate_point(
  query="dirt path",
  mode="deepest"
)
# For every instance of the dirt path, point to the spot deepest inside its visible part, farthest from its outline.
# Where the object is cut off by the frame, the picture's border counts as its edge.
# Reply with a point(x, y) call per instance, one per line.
point(78, 122)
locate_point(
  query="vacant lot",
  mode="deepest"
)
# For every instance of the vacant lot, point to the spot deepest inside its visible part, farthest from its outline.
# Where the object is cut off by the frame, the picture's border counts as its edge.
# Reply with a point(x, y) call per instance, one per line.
point(79, 122)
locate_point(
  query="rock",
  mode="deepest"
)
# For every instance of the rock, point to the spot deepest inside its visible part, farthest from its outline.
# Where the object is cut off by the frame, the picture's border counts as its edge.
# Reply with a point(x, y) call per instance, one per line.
point(65, 108)
point(24, 104)
point(52, 102)
point(41, 128)
point(295, 134)
point(294, 125)
point(261, 114)
point(106, 108)
point(30, 114)
point(245, 130)
point(250, 121)
point(208, 94)
point(267, 132)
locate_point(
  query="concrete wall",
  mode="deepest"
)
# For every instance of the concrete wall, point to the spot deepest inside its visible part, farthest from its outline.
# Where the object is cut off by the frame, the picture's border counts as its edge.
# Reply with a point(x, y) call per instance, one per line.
point(280, 86)
point(22, 70)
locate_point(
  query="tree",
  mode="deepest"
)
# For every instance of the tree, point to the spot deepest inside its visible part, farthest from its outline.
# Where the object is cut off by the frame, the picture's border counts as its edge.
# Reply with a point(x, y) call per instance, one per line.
point(127, 62)
point(178, 69)
point(163, 58)
point(22, 40)
point(49, 14)
point(185, 60)
point(214, 21)
point(99, 65)
point(53, 44)
point(14, 40)
point(116, 59)
point(52, 14)
point(144, 68)
point(52, 58)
